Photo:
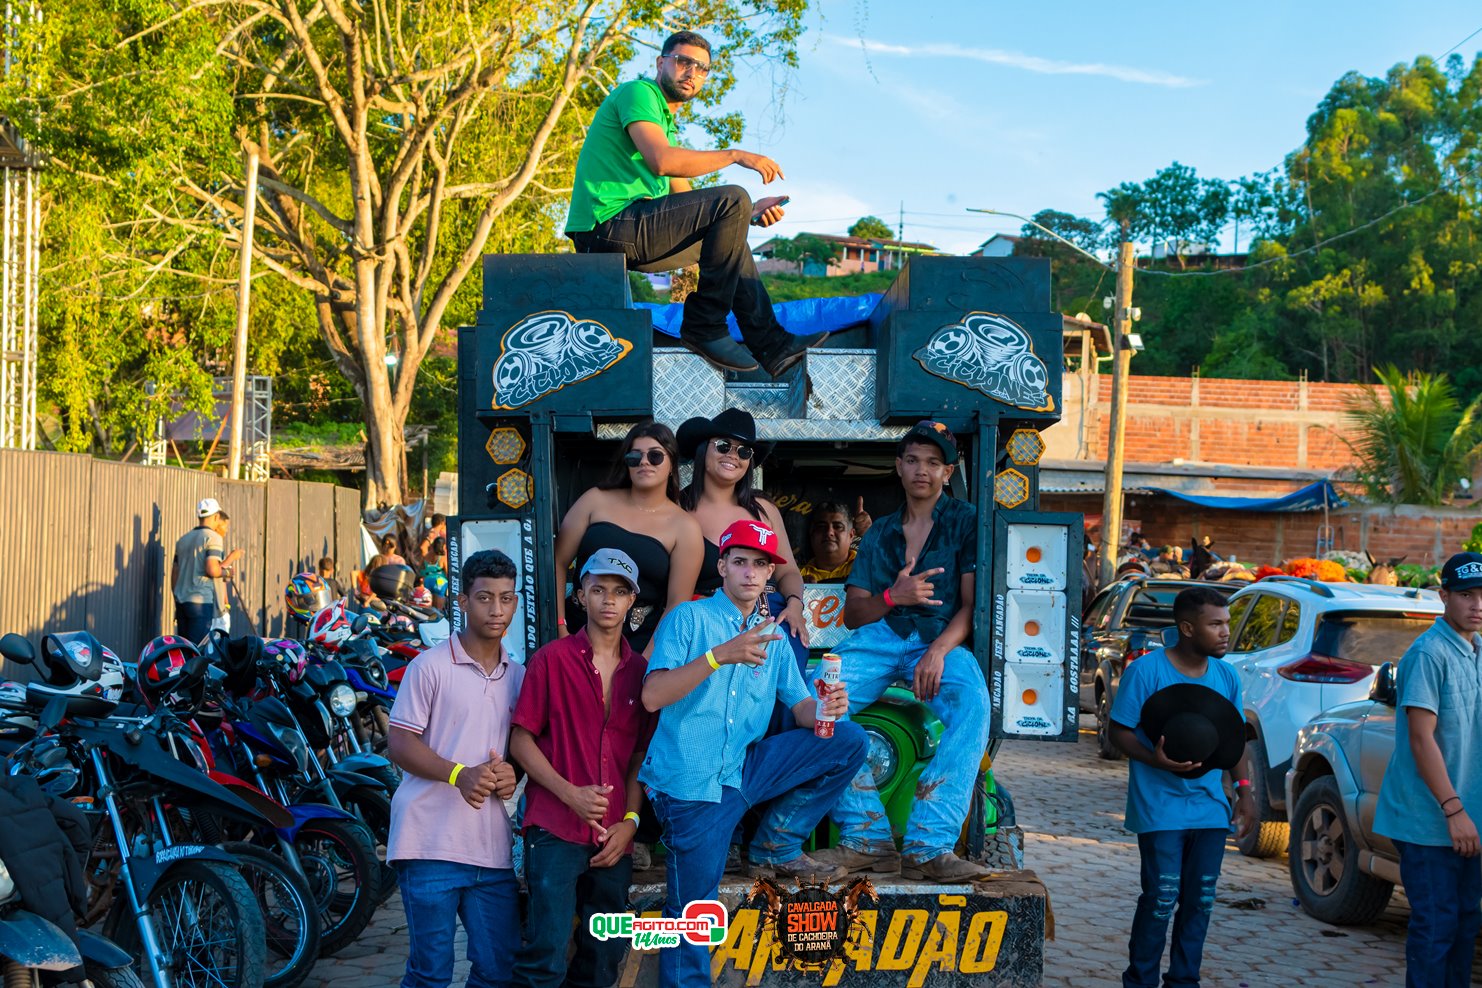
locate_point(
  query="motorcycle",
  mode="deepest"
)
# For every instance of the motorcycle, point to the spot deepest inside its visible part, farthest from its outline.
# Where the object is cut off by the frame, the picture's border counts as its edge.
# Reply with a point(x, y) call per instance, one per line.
point(185, 912)
point(30, 945)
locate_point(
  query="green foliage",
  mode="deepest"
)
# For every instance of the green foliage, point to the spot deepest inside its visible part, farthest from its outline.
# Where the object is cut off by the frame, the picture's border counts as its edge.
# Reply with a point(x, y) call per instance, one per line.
point(1473, 543)
point(871, 228)
point(1412, 438)
point(806, 247)
point(1420, 577)
point(640, 289)
point(787, 287)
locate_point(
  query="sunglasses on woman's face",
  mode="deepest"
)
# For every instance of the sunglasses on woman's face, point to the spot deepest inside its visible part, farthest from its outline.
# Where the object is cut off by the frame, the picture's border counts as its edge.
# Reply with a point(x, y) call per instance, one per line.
point(634, 457)
point(724, 446)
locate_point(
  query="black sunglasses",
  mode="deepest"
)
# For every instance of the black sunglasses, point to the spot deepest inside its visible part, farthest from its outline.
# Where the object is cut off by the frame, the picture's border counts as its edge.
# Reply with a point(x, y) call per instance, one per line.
point(634, 457)
point(724, 446)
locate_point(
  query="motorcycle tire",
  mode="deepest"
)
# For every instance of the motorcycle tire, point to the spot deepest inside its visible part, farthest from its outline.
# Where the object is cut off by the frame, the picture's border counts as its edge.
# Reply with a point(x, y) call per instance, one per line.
point(112, 977)
point(290, 915)
point(338, 857)
point(223, 915)
point(373, 807)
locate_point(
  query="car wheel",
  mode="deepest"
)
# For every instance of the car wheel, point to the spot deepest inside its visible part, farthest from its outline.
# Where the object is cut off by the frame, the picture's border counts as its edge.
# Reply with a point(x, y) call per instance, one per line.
point(1323, 859)
point(1104, 746)
point(1269, 835)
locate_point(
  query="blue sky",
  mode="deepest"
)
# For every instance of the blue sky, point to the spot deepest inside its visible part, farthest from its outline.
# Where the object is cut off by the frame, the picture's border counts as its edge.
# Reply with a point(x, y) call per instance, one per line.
point(946, 104)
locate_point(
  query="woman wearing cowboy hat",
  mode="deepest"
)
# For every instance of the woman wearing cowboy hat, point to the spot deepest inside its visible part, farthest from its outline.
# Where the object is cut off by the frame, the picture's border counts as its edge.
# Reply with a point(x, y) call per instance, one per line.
point(724, 450)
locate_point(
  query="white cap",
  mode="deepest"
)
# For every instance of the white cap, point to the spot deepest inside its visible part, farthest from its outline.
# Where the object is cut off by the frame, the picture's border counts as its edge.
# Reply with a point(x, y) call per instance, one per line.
point(208, 507)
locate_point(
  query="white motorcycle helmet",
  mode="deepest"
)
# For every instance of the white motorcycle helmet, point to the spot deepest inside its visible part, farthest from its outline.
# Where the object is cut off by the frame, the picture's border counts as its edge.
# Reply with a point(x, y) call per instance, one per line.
point(76, 664)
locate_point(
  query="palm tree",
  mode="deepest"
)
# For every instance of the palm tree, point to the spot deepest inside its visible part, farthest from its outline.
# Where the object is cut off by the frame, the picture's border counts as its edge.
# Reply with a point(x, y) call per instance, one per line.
point(1412, 438)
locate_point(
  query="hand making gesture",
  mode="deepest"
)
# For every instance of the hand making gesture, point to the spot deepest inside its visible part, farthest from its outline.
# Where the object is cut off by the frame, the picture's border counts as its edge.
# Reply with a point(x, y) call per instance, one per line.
point(477, 782)
point(908, 589)
point(749, 647)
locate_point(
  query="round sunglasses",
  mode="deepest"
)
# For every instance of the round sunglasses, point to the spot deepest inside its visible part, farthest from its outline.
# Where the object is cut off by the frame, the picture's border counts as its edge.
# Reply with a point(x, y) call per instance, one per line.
point(635, 457)
point(724, 446)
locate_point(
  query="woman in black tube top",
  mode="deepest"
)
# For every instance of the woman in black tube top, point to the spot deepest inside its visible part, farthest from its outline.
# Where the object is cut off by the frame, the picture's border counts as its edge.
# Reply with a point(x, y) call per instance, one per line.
point(636, 510)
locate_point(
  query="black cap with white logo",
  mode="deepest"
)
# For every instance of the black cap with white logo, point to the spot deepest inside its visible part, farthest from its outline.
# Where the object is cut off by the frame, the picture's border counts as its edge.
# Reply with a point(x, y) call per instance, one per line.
point(1462, 571)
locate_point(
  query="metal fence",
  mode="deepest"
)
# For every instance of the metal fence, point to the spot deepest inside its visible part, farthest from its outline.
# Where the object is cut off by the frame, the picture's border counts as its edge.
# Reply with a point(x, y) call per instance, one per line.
point(87, 544)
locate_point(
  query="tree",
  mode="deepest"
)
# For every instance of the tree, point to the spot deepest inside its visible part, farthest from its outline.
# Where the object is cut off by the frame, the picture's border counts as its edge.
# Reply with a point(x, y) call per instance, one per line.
point(1412, 438)
point(1175, 207)
point(396, 139)
point(807, 247)
point(1085, 234)
point(871, 228)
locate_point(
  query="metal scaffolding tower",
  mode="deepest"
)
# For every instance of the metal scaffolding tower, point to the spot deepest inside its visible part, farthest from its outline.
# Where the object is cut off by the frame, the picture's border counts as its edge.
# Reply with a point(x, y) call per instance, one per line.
point(20, 264)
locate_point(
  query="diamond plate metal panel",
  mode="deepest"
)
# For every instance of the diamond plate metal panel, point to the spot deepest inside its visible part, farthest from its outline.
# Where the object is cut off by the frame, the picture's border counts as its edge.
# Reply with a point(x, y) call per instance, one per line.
point(843, 384)
point(685, 386)
point(766, 401)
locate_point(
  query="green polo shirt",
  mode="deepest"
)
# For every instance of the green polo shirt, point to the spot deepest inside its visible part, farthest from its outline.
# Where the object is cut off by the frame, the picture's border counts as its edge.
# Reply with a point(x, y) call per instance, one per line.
point(610, 173)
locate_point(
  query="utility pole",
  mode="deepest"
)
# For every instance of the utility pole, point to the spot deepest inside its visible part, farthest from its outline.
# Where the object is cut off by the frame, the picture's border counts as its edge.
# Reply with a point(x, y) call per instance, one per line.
point(244, 304)
point(1111, 511)
point(900, 239)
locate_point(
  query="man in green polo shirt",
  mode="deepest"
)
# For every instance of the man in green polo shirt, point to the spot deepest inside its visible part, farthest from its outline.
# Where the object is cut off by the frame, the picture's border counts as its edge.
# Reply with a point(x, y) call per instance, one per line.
point(632, 196)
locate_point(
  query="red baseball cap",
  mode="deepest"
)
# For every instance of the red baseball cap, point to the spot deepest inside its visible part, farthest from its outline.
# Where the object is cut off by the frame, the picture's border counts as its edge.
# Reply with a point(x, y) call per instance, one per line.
point(748, 534)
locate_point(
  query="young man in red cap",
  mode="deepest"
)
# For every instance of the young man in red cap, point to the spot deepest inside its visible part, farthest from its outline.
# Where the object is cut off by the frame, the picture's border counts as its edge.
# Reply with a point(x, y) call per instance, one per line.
point(716, 671)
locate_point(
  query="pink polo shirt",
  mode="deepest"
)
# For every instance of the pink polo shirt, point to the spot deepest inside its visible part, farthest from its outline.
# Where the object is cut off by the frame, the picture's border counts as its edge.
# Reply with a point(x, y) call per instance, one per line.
point(461, 714)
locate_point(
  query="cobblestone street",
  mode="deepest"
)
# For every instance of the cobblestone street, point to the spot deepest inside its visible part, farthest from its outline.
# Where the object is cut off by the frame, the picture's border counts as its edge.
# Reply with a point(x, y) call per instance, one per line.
point(1070, 803)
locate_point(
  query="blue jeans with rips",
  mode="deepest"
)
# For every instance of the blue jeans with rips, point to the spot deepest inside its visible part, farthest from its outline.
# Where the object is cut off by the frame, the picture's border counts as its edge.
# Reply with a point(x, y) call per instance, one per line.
point(1180, 868)
point(563, 884)
point(436, 895)
point(1444, 890)
point(800, 774)
point(873, 658)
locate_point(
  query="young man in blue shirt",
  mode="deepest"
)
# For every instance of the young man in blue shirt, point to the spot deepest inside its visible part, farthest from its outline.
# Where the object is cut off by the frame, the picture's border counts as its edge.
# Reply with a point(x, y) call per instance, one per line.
point(1181, 821)
point(1434, 783)
point(631, 195)
point(716, 672)
point(910, 597)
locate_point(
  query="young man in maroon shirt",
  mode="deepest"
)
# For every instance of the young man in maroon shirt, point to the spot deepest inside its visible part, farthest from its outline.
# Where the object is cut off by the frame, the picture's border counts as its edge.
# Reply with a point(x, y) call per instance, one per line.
point(580, 731)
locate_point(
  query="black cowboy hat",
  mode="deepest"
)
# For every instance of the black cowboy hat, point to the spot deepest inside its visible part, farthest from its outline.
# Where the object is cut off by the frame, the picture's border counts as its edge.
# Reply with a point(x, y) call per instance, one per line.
point(733, 423)
point(1196, 725)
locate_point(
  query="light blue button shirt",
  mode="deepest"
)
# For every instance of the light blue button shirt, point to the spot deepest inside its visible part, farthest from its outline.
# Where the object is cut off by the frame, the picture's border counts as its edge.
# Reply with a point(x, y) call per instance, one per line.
point(701, 742)
point(1441, 672)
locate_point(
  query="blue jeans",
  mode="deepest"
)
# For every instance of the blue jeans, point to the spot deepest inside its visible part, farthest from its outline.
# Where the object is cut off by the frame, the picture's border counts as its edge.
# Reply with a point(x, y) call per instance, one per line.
point(801, 774)
point(1444, 890)
point(562, 885)
point(1179, 868)
point(436, 894)
point(873, 658)
point(192, 621)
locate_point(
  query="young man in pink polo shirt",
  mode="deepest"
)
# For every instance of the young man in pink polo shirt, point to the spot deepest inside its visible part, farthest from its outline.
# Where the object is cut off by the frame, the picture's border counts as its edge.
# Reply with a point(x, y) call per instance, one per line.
point(580, 731)
point(450, 837)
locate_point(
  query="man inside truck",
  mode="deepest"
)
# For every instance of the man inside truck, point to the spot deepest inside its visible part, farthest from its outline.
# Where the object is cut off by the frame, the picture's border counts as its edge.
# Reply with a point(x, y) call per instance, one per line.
point(632, 196)
point(718, 667)
point(909, 600)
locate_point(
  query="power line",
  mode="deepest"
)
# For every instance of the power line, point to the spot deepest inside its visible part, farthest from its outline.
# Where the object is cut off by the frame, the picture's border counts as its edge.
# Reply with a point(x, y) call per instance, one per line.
point(1463, 41)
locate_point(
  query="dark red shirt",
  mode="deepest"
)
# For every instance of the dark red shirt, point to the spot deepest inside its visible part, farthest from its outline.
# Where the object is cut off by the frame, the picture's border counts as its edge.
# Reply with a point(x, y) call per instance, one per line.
point(561, 704)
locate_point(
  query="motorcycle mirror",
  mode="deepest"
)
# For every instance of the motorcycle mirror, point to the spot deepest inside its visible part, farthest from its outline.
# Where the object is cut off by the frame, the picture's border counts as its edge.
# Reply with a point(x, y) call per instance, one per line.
point(54, 713)
point(359, 625)
point(18, 650)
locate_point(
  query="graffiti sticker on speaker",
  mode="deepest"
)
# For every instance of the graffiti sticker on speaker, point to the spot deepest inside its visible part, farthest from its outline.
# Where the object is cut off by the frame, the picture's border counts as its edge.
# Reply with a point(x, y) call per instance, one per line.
point(992, 354)
point(546, 351)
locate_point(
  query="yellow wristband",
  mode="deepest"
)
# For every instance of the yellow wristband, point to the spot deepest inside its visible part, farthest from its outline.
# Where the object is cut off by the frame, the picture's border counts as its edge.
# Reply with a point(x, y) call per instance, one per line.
point(453, 776)
point(630, 815)
point(710, 657)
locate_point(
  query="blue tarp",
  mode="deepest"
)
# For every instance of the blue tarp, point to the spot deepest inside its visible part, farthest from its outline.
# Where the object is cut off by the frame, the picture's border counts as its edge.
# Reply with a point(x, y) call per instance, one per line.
point(1309, 498)
point(801, 317)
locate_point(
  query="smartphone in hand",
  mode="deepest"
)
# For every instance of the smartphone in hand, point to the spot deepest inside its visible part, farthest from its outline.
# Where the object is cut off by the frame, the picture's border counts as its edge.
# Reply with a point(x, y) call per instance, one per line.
point(757, 220)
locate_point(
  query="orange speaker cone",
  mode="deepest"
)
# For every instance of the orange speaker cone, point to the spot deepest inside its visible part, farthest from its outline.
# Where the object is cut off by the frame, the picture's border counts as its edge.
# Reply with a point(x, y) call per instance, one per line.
point(1030, 698)
point(1033, 554)
point(1031, 628)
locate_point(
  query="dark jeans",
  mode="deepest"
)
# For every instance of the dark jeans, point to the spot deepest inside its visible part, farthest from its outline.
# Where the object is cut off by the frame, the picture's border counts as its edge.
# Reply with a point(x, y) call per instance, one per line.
point(562, 885)
point(803, 775)
point(192, 621)
point(1444, 890)
point(1179, 868)
point(718, 219)
point(436, 896)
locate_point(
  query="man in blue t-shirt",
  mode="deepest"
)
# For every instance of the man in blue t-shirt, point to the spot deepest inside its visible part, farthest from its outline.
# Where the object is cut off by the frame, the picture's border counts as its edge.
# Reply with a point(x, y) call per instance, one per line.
point(1434, 783)
point(631, 195)
point(1181, 820)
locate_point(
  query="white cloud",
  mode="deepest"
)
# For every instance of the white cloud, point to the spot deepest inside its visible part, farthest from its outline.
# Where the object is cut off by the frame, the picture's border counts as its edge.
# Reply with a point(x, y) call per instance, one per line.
point(816, 207)
point(1019, 60)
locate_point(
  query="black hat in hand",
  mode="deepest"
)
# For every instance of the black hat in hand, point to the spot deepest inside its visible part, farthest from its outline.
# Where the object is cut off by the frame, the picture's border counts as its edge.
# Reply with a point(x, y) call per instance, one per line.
point(1196, 725)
